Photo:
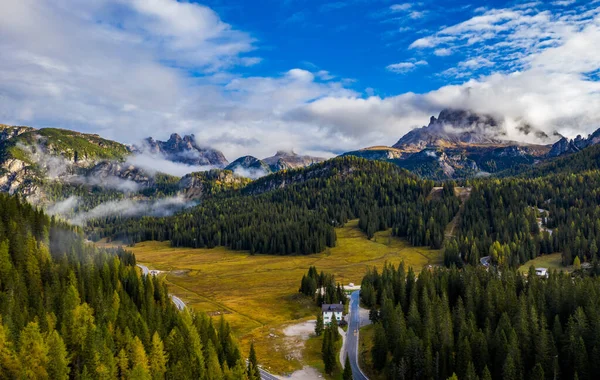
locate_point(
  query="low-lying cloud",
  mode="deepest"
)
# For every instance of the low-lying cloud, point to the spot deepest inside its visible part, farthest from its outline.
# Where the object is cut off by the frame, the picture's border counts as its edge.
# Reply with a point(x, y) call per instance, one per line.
point(134, 208)
point(156, 163)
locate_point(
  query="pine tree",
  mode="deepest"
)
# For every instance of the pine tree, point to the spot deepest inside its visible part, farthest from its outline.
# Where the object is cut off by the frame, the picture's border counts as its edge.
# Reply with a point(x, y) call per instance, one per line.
point(347, 374)
point(158, 358)
point(319, 325)
point(139, 360)
point(253, 370)
point(58, 361)
point(577, 263)
point(33, 352)
point(9, 363)
point(123, 365)
point(213, 368)
point(537, 373)
point(380, 347)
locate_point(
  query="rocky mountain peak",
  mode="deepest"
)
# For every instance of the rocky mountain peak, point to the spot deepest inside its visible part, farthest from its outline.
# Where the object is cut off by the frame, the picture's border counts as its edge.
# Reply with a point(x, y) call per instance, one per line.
point(566, 146)
point(285, 153)
point(185, 150)
point(454, 127)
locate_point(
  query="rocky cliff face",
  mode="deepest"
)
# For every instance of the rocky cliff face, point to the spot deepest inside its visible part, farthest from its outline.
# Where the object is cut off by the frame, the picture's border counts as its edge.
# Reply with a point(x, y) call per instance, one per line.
point(283, 160)
point(185, 150)
point(250, 167)
point(8, 132)
point(454, 127)
point(377, 153)
point(566, 146)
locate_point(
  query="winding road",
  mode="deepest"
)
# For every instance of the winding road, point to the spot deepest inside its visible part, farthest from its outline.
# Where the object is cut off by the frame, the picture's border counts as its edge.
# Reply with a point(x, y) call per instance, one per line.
point(352, 336)
point(176, 300)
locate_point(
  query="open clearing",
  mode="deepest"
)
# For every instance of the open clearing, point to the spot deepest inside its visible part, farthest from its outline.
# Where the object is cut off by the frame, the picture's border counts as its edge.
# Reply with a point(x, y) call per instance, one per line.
point(258, 294)
point(552, 261)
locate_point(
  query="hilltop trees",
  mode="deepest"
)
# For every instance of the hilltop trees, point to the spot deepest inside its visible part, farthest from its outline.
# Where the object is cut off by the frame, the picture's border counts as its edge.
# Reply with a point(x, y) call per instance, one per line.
point(295, 211)
point(69, 310)
point(322, 287)
point(481, 324)
point(514, 220)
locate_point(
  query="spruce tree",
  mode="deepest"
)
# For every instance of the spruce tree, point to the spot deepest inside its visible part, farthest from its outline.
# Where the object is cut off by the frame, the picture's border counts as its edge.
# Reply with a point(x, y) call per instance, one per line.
point(253, 370)
point(319, 325)
point(347, 374)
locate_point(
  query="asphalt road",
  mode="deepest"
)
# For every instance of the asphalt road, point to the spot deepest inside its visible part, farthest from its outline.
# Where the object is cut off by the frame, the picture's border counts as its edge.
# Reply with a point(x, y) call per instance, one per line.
point(176, 300)
point(264, 375)
point(352, 336)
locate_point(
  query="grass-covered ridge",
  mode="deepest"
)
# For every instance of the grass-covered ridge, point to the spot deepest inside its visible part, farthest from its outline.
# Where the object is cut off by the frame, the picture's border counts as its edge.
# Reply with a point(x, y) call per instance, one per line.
point(72, 145)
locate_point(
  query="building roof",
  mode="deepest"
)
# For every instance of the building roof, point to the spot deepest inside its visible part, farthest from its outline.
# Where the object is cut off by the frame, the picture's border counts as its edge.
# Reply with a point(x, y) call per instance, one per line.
point(336, 307)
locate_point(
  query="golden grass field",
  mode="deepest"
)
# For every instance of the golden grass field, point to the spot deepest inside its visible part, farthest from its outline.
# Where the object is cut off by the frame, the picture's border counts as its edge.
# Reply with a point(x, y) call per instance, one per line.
point(551, 262)
point(258, 294)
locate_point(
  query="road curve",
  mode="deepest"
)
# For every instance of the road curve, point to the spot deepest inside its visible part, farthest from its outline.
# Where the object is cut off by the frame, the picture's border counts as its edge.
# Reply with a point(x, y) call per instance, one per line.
point(352, 337)
point(176, 300)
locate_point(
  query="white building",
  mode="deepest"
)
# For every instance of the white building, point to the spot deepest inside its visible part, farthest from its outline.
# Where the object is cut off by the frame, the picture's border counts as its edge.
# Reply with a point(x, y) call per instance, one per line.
point(542, 272)
point(332, 311)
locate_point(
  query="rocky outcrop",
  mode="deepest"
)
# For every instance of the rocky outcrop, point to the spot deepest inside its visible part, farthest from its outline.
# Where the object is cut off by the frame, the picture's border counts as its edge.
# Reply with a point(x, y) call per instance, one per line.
point(566, 146)
point(283, 160)
point(185, 150)
point(249, 166)
point(112, 169)
point(8, 132)
point(383, 153)
point(197, 185)
point(454, 127)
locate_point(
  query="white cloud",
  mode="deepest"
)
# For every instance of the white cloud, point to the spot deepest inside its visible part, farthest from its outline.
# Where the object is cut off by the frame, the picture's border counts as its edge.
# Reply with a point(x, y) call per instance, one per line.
point(119, 69)
point(400, 7)
point(405, 67)
point(153, 164)
point(564, 3)
point(416, 14)
point(443, 52)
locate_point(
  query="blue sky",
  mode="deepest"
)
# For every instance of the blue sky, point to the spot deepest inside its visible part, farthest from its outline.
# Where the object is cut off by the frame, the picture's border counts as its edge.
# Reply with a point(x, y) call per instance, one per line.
point(317, 77)
point(359, 39)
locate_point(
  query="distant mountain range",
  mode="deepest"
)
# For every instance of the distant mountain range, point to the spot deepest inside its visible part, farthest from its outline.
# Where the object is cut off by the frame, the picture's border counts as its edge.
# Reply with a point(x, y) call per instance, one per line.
point(461, 144)
point(51, 165)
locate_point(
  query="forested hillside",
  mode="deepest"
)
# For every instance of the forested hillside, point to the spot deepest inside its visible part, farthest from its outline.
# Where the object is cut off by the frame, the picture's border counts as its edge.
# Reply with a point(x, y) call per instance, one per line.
point(516, 219)
point(295, 212)
point(479, 324)
point(69, 310)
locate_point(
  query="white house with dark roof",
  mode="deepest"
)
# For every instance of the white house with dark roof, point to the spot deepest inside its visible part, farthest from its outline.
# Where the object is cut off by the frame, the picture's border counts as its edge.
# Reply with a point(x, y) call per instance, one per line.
point(331, 311)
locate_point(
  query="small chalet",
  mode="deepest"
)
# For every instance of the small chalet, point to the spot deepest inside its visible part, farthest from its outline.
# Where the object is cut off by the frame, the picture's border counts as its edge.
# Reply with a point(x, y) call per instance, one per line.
point(332, 311)
point(542, 272)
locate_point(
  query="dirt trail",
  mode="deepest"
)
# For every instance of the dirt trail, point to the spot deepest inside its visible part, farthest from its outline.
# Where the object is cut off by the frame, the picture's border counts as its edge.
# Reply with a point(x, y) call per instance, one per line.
point(463, 193)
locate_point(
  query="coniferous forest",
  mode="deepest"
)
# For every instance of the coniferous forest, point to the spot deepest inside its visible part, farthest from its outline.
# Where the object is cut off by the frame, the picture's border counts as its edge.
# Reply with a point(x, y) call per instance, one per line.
point(72, 311)
point(295, 211)
point(480, 324)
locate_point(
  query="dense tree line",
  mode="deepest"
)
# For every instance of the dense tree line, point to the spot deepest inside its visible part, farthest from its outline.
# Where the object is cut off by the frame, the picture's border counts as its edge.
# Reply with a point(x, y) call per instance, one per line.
point(502, 218)
point(322, 288)
point(482, 324)
point(295, 211)
point(69, 310)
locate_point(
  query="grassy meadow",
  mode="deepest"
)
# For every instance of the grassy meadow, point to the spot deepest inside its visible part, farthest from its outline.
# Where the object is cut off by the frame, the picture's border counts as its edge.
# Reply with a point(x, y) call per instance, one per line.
point(258, 294)
point(551, 262)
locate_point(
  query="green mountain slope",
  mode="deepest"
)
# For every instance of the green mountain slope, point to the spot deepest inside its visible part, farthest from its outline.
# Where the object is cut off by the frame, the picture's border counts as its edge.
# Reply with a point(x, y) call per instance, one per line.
point(69, 310)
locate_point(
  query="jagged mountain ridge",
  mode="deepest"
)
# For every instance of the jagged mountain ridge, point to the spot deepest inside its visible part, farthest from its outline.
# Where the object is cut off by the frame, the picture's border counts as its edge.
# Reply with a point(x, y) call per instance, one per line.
point(566, 146)
point(283, 160)
point(249, 166)
point(185, 150)
point(454, 127)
